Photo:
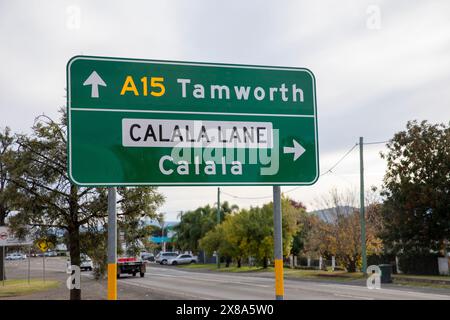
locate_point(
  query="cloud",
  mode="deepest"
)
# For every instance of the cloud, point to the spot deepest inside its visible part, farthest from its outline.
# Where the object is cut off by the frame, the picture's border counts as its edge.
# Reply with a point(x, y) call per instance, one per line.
point(369, 82)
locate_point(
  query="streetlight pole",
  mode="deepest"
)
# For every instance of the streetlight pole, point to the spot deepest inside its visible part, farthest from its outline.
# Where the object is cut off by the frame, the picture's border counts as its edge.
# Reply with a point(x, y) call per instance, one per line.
point(218, 222)
point(162, 238)
point(362, 208)
point(112, 244)
point(278, 243)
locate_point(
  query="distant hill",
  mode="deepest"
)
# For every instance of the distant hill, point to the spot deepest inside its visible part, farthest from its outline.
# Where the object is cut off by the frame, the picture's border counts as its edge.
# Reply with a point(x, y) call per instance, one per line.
point(329, 214)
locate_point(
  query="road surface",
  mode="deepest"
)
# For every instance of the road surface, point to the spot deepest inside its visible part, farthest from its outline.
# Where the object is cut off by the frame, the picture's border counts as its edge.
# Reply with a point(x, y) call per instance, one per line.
point(170, 282)
point(206, 285)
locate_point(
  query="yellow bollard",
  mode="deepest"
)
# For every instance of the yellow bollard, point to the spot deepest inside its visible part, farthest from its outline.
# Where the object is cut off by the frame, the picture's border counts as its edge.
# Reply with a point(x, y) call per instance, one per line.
point(112, 281)
point(279, 287)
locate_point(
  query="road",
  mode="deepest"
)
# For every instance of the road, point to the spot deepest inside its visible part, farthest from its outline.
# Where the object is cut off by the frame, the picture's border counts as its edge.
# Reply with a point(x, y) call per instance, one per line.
point(91, 289)
point(206, 285)
point(169, 282)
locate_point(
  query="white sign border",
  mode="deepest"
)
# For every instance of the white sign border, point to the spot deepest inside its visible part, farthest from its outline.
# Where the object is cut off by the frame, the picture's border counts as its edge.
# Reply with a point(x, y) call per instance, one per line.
point(123, 184)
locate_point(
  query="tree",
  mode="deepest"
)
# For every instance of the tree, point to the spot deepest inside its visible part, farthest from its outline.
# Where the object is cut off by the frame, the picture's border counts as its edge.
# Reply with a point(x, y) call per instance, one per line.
point(195, 224)
point(416, 188)
point(216, 239)
point(7, 144)
point(249, 233)
point(162, 223)
point(300, 237)
point(134, 205)
point(93, 242)
point(46, 198)
point(336, 231)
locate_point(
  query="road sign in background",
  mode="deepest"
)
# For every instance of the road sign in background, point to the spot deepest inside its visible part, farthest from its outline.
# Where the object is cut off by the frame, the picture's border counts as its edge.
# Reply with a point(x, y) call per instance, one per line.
point(44, 245)
point(257, 124)
point(7, 238)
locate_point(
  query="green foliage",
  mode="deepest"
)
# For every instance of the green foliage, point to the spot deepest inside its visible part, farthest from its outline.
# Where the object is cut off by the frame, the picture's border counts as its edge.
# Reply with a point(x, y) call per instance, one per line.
point(134, 205)
point(249, 233)
point(7, 190)
point(416, 188)
point(195, 224)
point(336, 231)
point(412, 262)
point(45, 198)
point(7, 143)
point(93, 242)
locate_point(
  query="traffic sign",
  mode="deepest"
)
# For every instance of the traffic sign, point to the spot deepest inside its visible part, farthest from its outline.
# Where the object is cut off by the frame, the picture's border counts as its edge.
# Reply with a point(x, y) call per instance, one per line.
point(44, 245)
point(7, 238)
point(147, 122)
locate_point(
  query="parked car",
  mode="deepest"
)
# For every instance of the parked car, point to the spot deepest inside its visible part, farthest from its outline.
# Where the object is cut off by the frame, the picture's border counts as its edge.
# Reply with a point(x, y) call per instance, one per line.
point(182, 259)
point(163, 257)
point(16, 256)
point(51, 254)
point(147, 256)
point(86, 262)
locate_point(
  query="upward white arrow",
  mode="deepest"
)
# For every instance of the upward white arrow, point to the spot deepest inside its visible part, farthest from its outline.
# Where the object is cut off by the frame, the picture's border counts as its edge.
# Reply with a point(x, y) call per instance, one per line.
point(94, 80)
point(297, 149)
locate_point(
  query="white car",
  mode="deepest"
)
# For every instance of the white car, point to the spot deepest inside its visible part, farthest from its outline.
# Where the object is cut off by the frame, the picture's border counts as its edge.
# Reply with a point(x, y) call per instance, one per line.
point(86, 263)
point(51, 254)
point(16, 256)
point(182, 259)
point(163, 257)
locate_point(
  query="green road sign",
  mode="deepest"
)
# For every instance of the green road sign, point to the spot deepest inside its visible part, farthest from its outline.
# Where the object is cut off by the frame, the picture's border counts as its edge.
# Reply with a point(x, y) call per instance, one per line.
point(146, 122)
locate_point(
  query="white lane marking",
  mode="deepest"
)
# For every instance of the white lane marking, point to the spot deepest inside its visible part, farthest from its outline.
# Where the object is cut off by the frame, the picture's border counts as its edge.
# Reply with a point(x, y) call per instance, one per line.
point(213, 280)
point(402, 293)
point(294, 285)
point(353, 297)
point(214, 275)
point(164, 290)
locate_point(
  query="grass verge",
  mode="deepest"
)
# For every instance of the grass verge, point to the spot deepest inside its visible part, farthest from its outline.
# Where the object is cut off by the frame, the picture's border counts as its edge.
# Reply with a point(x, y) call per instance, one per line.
point(294, 273)
point(234, 269)
point(320, 274)
point(21, 287)
point(197, 266)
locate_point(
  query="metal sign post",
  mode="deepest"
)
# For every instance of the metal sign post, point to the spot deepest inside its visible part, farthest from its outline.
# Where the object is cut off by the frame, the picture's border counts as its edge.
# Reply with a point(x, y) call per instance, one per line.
point(218, 222)
point(29, 257)
point(43, 245)
point(4, 271)
point(278, 243)
point(112, 245)
point(43, 265)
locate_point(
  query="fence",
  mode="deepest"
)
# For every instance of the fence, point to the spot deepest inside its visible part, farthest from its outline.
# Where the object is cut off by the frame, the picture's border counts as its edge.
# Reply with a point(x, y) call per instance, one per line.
point(304, 262)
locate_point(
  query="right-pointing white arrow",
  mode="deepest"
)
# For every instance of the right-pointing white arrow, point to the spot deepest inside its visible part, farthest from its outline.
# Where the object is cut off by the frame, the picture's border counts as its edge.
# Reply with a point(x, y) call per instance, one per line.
point(94, 80)
point(297, 149)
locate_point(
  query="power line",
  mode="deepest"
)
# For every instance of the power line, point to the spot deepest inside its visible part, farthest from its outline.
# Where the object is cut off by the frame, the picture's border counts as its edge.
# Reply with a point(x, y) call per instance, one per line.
point(339, 161)
point(332, 167)
point(377, 142)
point(248, 198)
point(295, 188)
point(326, 172)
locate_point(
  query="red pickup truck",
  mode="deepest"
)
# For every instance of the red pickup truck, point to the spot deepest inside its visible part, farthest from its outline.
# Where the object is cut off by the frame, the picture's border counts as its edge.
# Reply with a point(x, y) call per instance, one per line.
point(130, 266)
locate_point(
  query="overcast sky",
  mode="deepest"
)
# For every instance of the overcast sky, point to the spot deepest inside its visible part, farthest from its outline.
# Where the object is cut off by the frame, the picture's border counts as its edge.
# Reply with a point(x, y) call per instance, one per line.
point(377, 64)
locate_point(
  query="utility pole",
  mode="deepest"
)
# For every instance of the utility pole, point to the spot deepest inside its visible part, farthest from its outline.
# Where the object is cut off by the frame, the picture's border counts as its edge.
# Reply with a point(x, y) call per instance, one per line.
point(278, 243)
point(112, 245)
point(218, 222)
point(362, 209)
point(162, 238)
